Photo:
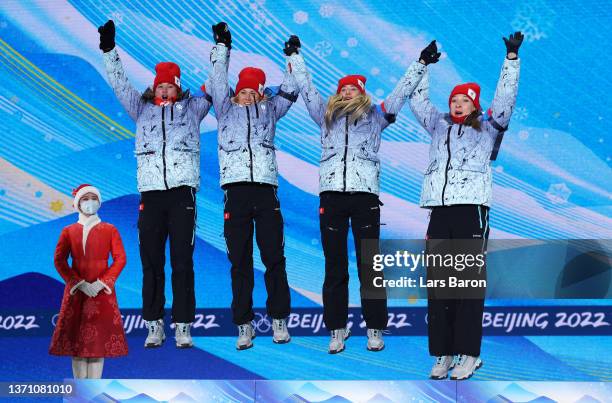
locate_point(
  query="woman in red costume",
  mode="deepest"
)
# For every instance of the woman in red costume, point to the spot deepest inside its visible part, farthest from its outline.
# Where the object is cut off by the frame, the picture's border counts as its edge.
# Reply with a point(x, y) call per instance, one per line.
point(89, 327)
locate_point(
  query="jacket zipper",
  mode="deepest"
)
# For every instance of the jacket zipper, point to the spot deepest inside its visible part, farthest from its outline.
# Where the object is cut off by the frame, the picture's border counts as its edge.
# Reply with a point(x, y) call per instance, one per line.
point(346, 127)
point(164, 145)
point(249, 140)
point(448, 160)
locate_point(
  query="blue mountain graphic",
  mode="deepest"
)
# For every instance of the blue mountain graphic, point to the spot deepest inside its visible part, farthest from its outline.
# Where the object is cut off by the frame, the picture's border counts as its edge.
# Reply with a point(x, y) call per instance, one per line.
point(379, 398)
point(313, 393)
point(182, 398)
point(119, 391)
point(517, 393)
point(104, 398)
point(142, 398)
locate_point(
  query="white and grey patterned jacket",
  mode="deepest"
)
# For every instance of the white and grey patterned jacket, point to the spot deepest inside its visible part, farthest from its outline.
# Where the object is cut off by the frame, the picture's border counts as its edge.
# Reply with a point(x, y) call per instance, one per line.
point(246, 133)
point(167, 137)
point(459, 169)
point(349, 158)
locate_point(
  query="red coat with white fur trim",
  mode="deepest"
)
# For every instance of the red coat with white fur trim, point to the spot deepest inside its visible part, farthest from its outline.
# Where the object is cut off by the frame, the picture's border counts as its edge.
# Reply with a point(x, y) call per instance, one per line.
point(89, 327)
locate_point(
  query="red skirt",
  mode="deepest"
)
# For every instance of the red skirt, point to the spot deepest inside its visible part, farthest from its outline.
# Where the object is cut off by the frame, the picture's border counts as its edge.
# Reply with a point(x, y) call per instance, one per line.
point(89, 327)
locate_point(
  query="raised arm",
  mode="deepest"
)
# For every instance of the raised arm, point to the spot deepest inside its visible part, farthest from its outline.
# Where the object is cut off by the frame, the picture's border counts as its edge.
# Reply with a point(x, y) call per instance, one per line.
point(507, 85)
point(405, 86)
point(288, 91)
point(129, 97)
point(218, 87)
point(425, 112)
point(296, 65)
point(286, 96)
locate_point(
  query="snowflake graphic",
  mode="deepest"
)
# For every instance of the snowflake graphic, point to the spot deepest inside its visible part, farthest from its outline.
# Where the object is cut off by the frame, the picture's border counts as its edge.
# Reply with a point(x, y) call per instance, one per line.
point(117, 17)
point(56, 206)
point(48, 137)
point(523, 134)
point(326, 10)
point(520, 113)
point(558, 193)
point(375, 71)
point(323, 48)
point(227, 8)
point(344, 54)
point(18, 115)
point(534, 19)
point(352, 42)
point(300, 17)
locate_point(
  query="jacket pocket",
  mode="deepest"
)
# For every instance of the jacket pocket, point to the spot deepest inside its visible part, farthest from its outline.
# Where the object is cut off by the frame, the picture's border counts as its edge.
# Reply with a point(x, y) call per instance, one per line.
point(327, 156)
point(368, 157)
point(229, 146)
point(268, 145)
point(473, 166)
point(433, 166)
point(185, 150)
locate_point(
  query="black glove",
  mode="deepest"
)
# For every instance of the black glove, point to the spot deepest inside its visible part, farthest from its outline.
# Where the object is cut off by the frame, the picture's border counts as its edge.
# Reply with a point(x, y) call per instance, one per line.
point(222, 34)
point(292, 46)
point(107, 36)
point(514, 42)
point(430, 54)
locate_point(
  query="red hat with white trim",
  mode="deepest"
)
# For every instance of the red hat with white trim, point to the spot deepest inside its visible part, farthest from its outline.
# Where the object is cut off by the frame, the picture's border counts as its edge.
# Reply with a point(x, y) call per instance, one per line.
point(81, 191)
point(253, 78)
point(356, 79)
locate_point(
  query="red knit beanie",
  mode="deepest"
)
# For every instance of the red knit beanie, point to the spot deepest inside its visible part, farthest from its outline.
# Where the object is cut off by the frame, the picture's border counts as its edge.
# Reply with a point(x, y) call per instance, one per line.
point(471, 90)
point(167, 72)
point(356, 79)
point(253, 78)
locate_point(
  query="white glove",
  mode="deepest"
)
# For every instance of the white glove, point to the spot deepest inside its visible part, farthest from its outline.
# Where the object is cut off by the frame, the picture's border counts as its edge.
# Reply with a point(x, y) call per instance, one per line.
point(87, 289)
point(97, 286)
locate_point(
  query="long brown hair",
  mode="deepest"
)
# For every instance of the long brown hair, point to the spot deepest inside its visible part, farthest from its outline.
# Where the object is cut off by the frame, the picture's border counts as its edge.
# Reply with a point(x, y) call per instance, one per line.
point(473, 119)
point(354, 108)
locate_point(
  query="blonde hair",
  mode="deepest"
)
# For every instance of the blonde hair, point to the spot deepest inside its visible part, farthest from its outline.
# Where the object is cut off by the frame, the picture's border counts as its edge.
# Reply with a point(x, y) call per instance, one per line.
point(354, 108)
point(262, 98)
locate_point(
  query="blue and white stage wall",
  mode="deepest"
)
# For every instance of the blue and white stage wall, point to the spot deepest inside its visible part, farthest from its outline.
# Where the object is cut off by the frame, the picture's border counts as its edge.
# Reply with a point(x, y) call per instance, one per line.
point(63, 126)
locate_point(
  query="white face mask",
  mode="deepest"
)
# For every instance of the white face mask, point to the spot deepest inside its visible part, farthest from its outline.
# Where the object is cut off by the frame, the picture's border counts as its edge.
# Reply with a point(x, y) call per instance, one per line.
point(90, 206)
